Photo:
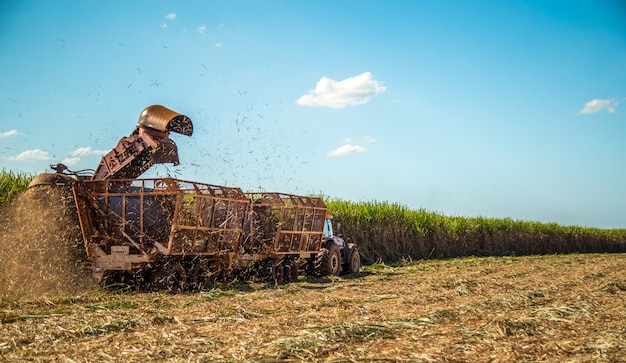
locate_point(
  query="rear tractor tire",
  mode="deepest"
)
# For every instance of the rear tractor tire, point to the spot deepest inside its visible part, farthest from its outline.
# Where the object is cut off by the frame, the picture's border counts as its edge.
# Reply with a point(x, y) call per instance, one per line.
point(329, 259)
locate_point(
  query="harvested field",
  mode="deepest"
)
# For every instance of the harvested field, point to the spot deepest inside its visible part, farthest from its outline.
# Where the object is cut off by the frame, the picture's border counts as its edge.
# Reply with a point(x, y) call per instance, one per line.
point(557, 308)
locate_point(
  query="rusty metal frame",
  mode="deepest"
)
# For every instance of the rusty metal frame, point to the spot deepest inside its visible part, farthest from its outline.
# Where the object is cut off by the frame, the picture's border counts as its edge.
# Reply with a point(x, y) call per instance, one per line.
point(172, 217)
point(290, 236)
point(101, 207)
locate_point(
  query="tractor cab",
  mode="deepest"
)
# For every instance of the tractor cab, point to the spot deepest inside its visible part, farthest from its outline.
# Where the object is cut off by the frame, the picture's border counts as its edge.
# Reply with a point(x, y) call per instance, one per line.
point(329, 233)
point(328, 228)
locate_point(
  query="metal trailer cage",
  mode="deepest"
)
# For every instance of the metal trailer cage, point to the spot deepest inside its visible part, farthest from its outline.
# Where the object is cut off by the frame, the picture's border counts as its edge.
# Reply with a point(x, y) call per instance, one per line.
point(127, 223)
point(285, 224)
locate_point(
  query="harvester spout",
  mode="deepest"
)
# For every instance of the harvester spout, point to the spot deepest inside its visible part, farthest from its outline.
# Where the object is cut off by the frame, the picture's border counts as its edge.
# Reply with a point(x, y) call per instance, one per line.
point(163, 119)
point(149, 144)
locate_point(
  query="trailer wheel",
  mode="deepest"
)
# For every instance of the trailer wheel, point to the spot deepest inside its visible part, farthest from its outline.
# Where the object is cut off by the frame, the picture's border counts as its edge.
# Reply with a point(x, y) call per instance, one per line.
point(116, 280)
point(278, 273)
point(353, 262)
point(291, 271)
point(177, 279)
point(201, 275)
point(330, 260)
point(311, 267)
point(171, 279)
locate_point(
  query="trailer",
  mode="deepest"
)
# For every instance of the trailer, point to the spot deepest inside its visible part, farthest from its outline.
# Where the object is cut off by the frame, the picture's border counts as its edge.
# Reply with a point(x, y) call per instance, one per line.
point(171, 234)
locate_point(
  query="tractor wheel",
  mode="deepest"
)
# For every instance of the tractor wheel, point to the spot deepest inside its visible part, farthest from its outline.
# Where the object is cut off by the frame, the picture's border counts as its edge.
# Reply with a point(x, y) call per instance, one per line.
point(330, 260)
point(353, 262)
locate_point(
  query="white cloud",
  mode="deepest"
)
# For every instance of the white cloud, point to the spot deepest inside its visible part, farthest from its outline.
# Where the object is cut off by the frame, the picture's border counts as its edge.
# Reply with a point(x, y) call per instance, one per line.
point(86, 151)
point(8, 133)
point(163, 25)
point(201, 29)
point(347, 149)
point(218, 44)
point(171, 16)
point(338, 94)
point(70, 161)
point(597, 105)
point(31, 155)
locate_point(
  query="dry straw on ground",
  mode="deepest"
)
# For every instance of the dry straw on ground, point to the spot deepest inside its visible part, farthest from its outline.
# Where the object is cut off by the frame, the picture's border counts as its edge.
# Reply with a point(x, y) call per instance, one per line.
point(561, 308)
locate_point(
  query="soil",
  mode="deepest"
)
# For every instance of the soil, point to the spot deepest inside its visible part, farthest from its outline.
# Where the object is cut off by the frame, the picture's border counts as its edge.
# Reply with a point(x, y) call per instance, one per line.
point(557, 308)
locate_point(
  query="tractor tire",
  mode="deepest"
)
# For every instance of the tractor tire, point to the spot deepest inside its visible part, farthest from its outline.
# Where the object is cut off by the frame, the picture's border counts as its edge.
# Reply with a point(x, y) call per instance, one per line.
point(353, 262)
point(330, 260)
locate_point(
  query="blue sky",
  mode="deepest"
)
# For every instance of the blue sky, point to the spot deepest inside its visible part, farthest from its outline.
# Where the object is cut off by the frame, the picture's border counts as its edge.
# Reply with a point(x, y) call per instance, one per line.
point(469, 108)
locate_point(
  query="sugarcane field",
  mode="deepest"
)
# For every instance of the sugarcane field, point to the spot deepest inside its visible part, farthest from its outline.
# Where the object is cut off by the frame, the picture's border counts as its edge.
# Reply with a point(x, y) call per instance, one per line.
point(354, 181)
point(103, 265)
point(551, 307)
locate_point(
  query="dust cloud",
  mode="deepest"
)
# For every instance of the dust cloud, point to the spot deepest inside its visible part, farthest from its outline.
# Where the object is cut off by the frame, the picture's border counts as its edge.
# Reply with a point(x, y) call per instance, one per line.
point(41, 247)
